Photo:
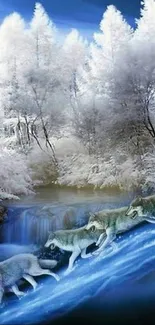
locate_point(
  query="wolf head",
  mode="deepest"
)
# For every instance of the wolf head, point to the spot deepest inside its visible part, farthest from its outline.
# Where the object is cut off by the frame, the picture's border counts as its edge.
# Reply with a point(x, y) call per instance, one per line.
point(140, 208)
point(51, 240)
point(94, 222)
point(136, 208)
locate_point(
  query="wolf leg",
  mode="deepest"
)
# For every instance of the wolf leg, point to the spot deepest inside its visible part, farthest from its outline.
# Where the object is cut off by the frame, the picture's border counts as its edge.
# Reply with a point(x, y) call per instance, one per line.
point(16, 291)
point(30, 279)
point(150, 220)
point(72, 259)
point(50, 264)
point(1, 289)
point(36, 270)
point(114, 246)
point(39, 271)
point(1, 294)
point(102, 236)
point(111, 235)
point(84, 255)
point(48, 272)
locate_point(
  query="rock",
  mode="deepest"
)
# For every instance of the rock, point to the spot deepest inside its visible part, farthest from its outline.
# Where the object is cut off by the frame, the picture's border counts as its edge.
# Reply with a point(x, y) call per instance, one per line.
point(61, 257)
point(3, 213)
point(45, 211)
point(69, 219)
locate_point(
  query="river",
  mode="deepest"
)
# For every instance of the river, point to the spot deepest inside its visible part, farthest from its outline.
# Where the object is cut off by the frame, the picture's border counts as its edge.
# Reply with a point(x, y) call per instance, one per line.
point(115, 280)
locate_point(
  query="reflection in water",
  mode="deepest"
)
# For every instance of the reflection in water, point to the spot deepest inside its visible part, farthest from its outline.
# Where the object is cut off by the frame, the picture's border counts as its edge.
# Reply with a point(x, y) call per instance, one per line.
point(53, 195)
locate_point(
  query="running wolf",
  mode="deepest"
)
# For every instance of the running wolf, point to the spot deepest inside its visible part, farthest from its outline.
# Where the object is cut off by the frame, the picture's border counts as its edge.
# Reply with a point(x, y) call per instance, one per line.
point(75, 241)
point(113, 222)
point(22, 266)
point(143, 208)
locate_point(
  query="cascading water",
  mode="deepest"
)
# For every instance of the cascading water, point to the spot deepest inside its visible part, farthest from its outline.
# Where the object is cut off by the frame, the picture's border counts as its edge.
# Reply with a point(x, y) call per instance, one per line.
point(116, 279)
point(99, 284)
point(31, 225)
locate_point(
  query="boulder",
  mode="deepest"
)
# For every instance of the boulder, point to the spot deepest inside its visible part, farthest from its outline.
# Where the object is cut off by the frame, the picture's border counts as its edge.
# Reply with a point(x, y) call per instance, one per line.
point(3, 213)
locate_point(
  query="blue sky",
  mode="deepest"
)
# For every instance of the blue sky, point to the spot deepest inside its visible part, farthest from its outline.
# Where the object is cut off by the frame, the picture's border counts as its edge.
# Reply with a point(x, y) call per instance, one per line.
point(84, 15)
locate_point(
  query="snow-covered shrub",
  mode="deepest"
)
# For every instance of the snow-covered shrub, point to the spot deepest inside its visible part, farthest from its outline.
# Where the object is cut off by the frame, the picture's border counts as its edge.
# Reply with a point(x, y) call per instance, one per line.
point(15, 176)
point(149, 171)
point(43, 170)
point(83, 170)
point(129, 177)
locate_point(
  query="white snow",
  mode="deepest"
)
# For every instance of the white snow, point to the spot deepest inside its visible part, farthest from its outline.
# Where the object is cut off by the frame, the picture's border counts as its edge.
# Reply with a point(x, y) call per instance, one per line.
point(87, 106)
point(14, 174)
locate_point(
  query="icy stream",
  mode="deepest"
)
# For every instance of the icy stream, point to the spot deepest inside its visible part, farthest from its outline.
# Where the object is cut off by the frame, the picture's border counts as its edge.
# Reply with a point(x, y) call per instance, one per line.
point(111, 278)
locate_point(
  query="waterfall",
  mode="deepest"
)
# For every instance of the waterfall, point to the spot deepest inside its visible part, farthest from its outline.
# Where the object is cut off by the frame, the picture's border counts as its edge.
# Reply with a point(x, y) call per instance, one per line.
point(31, 225)
point(29, 228)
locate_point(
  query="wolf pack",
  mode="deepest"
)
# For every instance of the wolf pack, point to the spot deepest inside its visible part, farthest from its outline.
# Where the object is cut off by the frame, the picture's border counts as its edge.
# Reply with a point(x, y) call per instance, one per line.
point(101, 230)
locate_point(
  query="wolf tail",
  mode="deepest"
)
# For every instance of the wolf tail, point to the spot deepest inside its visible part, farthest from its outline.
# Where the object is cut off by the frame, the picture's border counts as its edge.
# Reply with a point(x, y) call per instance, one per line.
point(47, 264)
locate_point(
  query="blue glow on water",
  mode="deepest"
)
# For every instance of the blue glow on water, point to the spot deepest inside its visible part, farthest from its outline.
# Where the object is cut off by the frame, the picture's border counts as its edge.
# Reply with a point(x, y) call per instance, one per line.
point(111, 276)
point(30, 224)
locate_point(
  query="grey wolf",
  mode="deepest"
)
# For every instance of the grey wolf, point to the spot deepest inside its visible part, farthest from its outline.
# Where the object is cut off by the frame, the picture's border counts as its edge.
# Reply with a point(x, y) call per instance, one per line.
point(75, 241)
point(22, 266)
point(113, 222)
point(143, 208)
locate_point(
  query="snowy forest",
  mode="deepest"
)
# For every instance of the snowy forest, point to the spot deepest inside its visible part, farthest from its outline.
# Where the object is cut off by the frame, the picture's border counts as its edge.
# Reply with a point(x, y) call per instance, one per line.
point(73, 112)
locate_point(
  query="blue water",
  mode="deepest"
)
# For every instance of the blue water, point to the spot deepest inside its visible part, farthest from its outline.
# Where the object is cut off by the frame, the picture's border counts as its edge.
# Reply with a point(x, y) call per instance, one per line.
point(114, 277)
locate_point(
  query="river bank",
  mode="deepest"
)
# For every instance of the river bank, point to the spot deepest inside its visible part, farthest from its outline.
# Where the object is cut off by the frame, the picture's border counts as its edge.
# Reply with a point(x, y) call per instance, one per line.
point(23, 173)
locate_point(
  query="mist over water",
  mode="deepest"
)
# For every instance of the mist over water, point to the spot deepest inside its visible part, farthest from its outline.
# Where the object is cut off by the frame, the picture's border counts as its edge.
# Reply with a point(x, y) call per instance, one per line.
point(51, 209)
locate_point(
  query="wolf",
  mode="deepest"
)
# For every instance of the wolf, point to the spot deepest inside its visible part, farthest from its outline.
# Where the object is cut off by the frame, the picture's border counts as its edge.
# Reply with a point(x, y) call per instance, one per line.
point(112, 222)
point(75, 241)
point(143, 208)
point(22, 266)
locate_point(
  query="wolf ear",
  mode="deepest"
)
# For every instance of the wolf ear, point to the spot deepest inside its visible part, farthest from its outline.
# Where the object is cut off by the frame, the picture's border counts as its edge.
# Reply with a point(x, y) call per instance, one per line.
point(139, 198)
point(91, 214)
point(51, 233)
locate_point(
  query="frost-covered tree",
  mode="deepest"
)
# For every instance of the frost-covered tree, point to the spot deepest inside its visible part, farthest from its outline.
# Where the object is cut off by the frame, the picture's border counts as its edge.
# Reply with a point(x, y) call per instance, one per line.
point(43, 77)
point(12, 56)
point(115, 75)
point(73, 57)
point(85, 117)
point(135, 89)
point(103, 92)
point(107, 65)
point(109, 46)
point(143, 65)
point(42, 38)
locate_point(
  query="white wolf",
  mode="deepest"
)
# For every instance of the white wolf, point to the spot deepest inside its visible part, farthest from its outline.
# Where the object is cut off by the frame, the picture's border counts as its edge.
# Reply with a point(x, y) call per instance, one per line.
point(23, 266)
point(75, 241)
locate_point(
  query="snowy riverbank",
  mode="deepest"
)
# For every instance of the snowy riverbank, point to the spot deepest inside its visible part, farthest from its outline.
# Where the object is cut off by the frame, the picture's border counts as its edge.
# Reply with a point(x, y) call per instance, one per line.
point(79, 170)
point(20, 173)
